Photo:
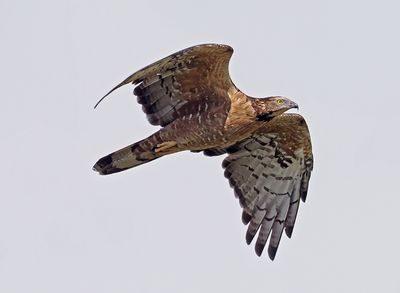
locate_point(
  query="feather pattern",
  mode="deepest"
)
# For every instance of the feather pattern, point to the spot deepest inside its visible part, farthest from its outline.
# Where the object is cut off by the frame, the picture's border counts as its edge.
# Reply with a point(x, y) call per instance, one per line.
point(269, 177)
point(269, 157)
point(165, 86)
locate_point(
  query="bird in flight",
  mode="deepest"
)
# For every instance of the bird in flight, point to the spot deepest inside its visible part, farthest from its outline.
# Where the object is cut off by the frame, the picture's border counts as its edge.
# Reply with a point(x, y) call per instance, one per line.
point(269, 157)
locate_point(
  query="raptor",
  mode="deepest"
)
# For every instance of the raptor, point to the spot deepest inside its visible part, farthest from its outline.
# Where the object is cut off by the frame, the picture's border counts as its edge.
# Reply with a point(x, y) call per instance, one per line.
point(269, 156)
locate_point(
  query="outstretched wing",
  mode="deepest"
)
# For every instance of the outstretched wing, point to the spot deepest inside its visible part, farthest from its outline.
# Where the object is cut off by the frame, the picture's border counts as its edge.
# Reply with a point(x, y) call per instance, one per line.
point(269, 172)
point(187, 82)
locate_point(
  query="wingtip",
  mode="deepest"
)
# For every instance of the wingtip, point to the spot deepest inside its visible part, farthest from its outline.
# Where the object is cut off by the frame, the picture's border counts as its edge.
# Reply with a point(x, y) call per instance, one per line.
point(289, 231)
point(95, 106)
point(259, 249)
point(98, 102)
point(303, 195)
point(246, 218)
point(272, 252)
point(129, 79)
point(249, 238)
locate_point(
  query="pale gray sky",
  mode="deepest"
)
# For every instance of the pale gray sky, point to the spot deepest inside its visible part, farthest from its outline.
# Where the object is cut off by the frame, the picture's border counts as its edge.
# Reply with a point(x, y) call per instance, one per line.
point(173, 225)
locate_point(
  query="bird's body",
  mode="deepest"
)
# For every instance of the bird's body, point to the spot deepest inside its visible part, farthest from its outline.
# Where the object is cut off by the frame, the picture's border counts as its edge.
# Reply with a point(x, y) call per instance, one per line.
point(191, 96)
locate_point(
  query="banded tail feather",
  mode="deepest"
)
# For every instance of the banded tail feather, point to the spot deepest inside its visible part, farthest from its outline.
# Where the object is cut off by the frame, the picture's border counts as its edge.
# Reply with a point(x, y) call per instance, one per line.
point(134, 155)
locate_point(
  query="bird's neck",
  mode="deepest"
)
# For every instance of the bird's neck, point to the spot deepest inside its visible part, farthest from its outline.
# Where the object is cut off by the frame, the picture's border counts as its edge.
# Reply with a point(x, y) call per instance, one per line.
point(264, 117)
point(259, 108)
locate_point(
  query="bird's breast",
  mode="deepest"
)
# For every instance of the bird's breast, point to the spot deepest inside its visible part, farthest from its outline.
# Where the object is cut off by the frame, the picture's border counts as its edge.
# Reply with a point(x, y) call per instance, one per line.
point(241, 120)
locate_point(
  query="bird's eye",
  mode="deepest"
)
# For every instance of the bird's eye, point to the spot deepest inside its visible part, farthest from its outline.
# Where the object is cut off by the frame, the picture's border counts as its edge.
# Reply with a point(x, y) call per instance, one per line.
point(279, 101)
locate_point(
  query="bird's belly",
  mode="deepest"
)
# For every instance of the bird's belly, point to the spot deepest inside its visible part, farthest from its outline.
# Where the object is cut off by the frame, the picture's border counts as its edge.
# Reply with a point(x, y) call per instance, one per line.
point(239, 132)
point(207, 130)
point(211, 137)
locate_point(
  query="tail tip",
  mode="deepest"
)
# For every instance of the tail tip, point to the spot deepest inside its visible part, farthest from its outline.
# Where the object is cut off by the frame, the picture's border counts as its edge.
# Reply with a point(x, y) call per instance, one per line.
point(98, 169)
point(103, 166)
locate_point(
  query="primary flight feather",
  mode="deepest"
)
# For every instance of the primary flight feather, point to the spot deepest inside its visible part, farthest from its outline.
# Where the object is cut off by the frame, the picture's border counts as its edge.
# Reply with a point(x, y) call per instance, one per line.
point(191, 96)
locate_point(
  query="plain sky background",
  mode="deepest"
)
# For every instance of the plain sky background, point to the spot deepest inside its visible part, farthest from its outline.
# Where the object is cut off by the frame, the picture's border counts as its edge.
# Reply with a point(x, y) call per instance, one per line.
point(173, 225)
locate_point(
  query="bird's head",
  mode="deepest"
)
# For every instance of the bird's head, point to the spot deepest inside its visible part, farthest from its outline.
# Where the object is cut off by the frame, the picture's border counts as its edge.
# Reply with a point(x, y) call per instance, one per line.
point(268, 108)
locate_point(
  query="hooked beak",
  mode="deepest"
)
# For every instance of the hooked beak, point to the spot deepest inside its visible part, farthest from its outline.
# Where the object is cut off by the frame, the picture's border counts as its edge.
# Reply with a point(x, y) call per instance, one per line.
point(293, 105)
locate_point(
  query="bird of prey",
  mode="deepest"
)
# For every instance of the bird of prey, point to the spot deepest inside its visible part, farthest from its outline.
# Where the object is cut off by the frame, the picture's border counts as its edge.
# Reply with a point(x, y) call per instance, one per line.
point(269, 158)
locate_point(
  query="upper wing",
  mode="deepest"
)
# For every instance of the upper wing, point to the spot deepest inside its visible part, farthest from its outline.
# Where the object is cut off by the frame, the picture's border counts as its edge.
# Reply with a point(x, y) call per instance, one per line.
point(193, 79)
point(269, 172)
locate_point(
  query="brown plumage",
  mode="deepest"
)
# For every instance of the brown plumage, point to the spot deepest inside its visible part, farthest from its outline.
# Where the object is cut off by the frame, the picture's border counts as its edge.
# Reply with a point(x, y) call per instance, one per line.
point(191, 96)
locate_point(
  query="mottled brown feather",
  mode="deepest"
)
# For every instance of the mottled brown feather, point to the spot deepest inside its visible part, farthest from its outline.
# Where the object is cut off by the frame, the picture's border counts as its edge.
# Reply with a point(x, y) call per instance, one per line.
point(191, 96)
point(172, 82)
